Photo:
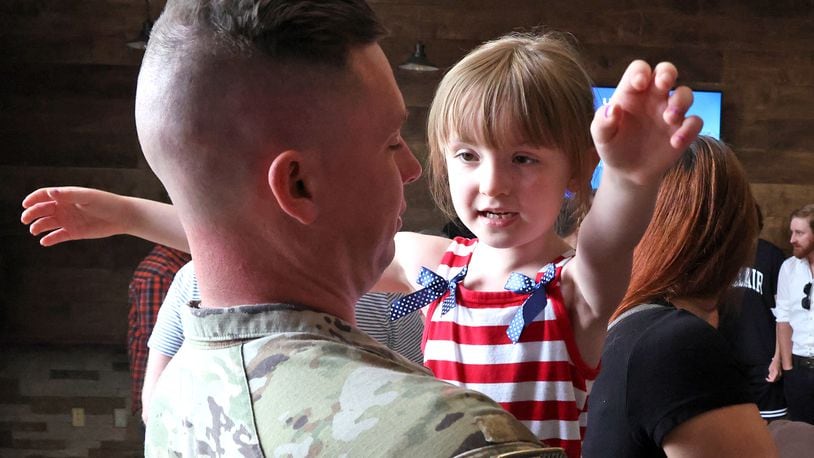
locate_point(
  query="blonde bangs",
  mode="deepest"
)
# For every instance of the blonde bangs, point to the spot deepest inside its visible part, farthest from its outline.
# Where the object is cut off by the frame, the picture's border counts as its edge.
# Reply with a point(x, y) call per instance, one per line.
point(519, 89)
point(496, 110)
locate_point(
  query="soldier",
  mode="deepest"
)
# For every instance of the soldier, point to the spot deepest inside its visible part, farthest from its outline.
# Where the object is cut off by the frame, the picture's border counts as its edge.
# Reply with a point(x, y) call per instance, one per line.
point(275, 127)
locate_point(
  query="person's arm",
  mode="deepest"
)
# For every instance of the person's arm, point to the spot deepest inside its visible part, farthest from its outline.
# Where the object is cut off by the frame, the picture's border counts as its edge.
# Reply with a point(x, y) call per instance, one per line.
point(735, 431)
point(784, 342)
point(156, 363)
point(75, 213)
point(639, 135)
point(775, 368)
point(776, 258)
point(783, 303)
point(168, 332)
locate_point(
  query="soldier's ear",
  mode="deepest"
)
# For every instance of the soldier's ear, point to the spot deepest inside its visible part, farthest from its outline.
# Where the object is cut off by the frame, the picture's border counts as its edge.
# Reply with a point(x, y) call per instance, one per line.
point(291, 179)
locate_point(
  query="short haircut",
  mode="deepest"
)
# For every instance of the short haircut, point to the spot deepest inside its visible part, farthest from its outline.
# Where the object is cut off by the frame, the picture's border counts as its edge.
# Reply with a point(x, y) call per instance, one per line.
point(210, 62)
point(309, 31)
point(806, 212)
point(519, 88)
point(703, 231)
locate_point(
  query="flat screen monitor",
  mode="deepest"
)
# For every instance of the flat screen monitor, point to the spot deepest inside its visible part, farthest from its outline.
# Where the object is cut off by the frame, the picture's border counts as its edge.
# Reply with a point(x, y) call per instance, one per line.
point(706, 105)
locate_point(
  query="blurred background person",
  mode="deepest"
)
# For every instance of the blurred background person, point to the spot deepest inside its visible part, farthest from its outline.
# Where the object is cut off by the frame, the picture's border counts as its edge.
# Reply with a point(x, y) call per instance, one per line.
point(795, 319)
point(148, 288)
point(669, 384)
point(750, 327)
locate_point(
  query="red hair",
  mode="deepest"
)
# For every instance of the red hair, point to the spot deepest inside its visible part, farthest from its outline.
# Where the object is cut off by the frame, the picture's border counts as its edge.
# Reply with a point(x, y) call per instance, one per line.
point(703, 230)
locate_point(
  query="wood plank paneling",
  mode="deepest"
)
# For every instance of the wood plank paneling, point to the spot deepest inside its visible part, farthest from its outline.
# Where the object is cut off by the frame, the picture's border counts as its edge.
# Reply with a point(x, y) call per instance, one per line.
point(66, 115)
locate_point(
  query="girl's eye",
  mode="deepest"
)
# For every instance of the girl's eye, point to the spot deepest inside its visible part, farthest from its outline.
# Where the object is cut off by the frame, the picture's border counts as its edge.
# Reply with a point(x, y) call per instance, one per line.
point(466, 155)
point(523, 159)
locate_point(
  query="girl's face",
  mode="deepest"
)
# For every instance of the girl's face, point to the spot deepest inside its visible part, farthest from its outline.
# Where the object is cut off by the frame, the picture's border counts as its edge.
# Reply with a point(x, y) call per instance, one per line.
point(510, 197)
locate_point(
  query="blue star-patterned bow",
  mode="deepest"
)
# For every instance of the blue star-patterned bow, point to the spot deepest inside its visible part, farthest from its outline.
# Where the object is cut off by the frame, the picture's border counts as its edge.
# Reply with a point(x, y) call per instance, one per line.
point(533, 305)
point(434, 286)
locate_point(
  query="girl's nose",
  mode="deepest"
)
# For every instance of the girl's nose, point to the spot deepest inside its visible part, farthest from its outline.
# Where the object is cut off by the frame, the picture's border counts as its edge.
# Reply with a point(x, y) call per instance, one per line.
point(494, 180)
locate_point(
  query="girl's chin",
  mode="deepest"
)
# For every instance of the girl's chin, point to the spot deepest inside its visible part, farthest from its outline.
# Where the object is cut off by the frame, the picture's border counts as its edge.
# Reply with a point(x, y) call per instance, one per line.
point(511, 237)
point(496, 239)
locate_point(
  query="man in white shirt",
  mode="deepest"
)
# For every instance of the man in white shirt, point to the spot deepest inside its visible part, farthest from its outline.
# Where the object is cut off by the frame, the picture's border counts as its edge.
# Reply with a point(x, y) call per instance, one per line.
point(795, 318)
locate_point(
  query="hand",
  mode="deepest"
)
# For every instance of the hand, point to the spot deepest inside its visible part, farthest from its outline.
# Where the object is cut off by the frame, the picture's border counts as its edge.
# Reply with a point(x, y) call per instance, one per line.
point(643, 129)
point(774, 371)
point(73, 213)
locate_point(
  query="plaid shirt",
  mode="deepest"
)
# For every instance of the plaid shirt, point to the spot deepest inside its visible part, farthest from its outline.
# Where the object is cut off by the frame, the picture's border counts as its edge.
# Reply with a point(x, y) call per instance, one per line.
point(149, 285)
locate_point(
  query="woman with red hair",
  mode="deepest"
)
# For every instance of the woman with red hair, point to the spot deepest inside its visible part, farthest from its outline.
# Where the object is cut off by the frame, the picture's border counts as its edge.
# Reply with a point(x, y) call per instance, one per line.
point(669, 384)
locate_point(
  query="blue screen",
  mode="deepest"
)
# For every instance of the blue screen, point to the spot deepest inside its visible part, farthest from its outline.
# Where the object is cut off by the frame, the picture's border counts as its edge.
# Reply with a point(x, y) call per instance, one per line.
point(706, 105)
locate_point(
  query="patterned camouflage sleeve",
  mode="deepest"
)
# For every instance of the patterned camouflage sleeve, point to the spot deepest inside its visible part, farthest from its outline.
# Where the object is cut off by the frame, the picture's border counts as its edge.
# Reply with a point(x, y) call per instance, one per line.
point(302, 394)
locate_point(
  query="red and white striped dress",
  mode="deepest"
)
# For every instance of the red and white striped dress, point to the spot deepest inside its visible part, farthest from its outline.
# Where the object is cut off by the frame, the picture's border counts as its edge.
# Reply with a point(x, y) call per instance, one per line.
point(542, 379)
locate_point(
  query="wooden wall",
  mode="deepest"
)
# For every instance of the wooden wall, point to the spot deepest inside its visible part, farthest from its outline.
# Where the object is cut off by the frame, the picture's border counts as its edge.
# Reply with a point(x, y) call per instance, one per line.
point(758, 53)
point(66, 117)
point(66, 104)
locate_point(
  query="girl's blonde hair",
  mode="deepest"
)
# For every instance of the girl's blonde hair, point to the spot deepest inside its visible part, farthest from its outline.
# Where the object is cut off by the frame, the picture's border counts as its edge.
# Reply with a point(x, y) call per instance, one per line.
point(521, 88)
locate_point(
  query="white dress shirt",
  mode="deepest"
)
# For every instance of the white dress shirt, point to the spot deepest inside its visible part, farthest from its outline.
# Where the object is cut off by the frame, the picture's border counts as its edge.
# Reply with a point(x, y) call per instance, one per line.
point(794, 275)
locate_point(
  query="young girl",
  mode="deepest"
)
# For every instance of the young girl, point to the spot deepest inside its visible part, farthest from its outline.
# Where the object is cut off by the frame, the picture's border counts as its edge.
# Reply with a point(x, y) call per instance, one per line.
point(670, 385)
point(510, 131)
point(520, 317)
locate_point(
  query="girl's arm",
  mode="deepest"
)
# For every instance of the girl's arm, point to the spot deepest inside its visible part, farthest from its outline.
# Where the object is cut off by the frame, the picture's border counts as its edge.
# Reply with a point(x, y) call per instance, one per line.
point(734, 431)
point(413, 251)
point(74, 213)
point(638, 135)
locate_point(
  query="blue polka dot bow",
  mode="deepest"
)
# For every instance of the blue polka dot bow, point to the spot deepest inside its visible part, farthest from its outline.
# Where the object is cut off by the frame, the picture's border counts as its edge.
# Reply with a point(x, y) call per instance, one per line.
point(434, 286)
point(533, 305)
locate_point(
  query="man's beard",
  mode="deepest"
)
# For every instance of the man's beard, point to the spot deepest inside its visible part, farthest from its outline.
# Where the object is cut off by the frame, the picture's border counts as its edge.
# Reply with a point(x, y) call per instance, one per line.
point(802, 252)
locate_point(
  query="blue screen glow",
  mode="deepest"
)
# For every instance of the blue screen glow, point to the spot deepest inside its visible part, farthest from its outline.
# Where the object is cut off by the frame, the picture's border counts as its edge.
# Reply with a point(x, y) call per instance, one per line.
point(706, 105)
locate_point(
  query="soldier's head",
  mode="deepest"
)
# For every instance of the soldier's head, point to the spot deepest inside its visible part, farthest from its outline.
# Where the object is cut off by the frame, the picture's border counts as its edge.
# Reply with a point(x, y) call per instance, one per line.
point(271, 121)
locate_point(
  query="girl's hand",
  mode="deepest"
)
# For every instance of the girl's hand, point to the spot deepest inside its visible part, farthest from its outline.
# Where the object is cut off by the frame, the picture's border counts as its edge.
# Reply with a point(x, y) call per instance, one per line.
point(73, 213)
point(643, 129)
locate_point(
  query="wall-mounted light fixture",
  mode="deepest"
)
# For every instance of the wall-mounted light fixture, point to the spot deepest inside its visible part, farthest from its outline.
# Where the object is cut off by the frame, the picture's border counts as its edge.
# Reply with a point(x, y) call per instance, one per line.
point(418, 61)
point(140, 42)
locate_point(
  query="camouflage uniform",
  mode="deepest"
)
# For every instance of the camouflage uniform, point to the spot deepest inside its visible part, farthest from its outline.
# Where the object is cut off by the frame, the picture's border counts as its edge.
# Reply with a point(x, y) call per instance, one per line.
point(283, 380)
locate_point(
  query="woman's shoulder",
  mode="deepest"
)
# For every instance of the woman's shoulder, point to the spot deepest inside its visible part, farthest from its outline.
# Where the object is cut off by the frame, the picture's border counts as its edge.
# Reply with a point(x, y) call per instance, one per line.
point(663, 330)
point(671, 335)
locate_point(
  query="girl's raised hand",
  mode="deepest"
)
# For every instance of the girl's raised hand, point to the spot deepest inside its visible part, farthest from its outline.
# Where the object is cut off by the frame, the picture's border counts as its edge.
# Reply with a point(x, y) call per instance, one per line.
point(643, 130)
